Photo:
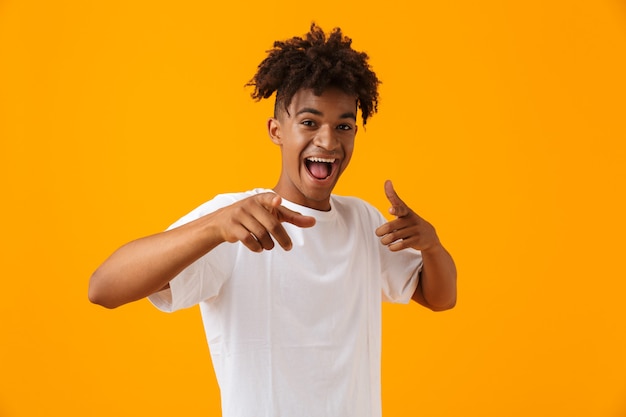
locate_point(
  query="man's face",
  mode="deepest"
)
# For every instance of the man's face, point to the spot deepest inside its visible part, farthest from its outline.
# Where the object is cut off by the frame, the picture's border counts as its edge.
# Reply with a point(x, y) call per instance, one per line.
point(316, 137)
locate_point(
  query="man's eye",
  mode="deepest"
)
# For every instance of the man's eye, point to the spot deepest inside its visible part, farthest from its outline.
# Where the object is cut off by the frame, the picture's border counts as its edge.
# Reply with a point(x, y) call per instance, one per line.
point(344, 127)
point(308, 122)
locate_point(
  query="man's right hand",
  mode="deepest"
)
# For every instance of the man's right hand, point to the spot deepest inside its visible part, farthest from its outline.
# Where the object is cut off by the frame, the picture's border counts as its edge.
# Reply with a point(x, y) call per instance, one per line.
point(255, 220)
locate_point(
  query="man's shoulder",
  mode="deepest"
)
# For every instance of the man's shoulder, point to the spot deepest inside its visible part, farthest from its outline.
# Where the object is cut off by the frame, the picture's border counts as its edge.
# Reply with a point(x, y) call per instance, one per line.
point(225, 199)
point(355, 205)
point(230, 198)
point(217, 202)
point(351, 201)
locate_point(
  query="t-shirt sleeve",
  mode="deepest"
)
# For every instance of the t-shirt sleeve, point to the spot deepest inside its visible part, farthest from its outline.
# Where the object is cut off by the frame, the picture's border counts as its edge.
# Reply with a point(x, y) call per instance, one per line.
point(200, 281)
point(400, 274)
point(399, 270)
point(203, 279)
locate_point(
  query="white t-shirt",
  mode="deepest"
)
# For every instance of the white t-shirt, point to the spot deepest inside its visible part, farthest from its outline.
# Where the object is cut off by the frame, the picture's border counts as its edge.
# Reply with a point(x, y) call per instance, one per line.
point(297, 333)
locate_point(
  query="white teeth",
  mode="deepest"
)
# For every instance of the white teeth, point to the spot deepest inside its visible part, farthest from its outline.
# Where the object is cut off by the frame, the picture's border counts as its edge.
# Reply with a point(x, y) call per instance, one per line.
point(327, 160)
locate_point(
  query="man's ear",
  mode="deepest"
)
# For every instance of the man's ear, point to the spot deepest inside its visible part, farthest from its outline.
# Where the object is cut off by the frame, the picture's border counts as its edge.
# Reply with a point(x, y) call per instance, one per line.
point(273, 129)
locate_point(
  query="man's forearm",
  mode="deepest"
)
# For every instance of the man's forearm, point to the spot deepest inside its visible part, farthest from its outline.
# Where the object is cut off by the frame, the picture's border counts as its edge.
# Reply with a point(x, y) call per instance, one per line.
point(437, 287)
point(145, 266)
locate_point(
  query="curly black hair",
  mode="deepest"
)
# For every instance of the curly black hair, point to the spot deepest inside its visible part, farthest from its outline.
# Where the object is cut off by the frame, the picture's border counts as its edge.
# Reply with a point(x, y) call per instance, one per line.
point(317, 63)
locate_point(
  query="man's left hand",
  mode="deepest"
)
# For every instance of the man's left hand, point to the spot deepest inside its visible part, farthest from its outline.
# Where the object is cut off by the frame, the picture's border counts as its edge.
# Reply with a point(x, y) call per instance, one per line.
point(407, 230)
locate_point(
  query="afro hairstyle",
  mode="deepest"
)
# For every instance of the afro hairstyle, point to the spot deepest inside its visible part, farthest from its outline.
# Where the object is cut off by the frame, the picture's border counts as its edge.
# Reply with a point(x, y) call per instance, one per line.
point(316, 62)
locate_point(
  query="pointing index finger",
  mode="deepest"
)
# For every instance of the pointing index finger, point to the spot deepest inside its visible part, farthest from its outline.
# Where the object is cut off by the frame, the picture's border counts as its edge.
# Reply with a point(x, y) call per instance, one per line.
point(272, 203)
point(295, 218)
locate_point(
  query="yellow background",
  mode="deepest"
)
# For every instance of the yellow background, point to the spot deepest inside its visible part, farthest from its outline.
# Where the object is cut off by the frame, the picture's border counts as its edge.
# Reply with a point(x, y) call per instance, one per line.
point(503, 123)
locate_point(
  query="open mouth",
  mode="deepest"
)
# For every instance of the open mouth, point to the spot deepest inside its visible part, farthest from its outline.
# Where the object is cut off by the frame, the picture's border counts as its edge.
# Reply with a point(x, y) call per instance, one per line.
point(320, 168)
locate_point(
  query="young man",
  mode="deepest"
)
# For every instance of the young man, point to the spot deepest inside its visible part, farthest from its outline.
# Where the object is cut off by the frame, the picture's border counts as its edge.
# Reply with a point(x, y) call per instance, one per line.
point(295, 330)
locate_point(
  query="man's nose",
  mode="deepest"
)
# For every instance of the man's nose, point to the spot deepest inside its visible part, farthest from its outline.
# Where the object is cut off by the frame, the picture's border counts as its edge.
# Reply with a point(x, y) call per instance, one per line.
point(326, 138)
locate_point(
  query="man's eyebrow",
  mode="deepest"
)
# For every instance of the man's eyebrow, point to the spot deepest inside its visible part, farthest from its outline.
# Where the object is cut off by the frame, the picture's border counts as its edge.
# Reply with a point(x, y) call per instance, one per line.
point(310, 110)
point(348, 115)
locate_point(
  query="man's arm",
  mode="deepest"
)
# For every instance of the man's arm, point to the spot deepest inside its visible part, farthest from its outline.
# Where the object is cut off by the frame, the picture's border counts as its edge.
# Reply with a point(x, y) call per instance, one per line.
point(145, 266)
point(437, 285)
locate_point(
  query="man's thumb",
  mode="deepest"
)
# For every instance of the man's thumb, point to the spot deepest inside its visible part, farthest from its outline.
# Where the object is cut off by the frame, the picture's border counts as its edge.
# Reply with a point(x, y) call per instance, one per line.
point(398, 208)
